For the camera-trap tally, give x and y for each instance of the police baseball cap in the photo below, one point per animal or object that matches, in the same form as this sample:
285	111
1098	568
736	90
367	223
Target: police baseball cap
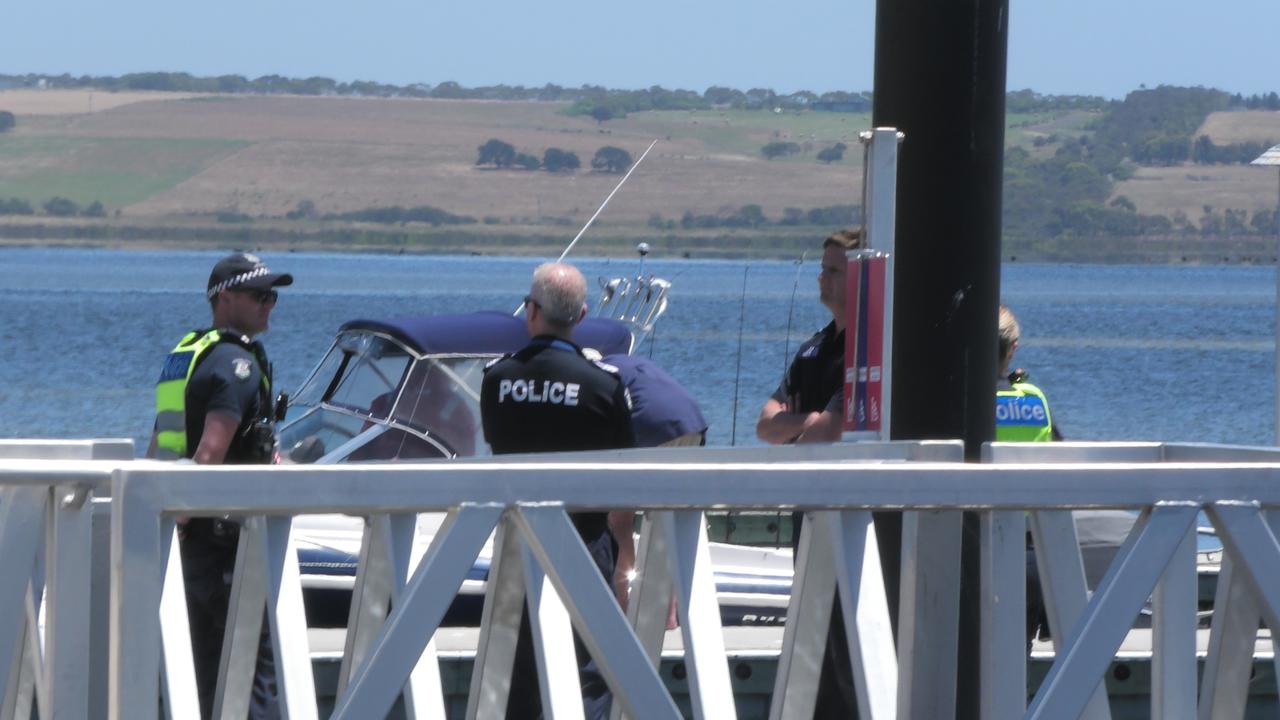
243	270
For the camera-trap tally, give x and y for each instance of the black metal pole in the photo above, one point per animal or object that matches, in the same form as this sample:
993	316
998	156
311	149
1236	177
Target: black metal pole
940	78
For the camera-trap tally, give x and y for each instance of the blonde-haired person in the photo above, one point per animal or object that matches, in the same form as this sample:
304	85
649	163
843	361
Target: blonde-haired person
1022	410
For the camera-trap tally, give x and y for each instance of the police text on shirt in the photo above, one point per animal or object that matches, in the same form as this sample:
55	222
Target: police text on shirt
538	391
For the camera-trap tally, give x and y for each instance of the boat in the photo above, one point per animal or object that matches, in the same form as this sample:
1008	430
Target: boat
408	390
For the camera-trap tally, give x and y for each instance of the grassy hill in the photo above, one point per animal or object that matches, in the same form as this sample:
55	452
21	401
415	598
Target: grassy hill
193	163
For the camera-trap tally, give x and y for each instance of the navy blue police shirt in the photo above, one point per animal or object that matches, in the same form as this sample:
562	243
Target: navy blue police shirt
548	397
227	380
815	379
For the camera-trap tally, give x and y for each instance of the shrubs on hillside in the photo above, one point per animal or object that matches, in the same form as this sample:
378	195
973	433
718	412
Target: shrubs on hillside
396	214
753	216
53	207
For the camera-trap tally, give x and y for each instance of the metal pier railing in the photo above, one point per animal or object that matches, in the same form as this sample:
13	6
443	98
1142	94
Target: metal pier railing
538	556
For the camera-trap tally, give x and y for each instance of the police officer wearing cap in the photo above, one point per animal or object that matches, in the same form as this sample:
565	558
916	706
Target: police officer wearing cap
214	406
551	397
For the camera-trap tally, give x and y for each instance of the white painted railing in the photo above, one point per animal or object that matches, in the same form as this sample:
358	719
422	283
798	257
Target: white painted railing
538	556
54	571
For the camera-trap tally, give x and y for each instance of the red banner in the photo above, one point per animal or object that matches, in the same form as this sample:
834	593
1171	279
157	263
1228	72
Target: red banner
864	341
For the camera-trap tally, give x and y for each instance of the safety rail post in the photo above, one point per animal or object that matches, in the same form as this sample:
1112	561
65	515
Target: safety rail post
66	668
45	535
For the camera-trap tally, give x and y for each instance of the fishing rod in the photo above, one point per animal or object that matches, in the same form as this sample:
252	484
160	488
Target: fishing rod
791	309
606	200
737	373
599	210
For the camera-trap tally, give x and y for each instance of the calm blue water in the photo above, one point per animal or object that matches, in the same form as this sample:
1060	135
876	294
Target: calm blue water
1124	352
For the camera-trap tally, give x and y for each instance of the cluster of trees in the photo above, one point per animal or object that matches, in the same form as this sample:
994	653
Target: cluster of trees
7	121
396	215
502	154
1067	194
781	148
1028	101
1269	101
1154	127
53	207
16	206
753	216
1205	152
1230	222
835	153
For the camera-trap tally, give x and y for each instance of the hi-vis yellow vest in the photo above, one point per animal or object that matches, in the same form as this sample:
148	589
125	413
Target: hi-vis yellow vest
171	392
1022	415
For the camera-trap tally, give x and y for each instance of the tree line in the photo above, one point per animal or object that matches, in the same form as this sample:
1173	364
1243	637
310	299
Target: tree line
753	216
501	154
53	207
597	101
783	148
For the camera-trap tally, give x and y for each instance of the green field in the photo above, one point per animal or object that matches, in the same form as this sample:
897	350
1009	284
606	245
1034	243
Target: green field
113	171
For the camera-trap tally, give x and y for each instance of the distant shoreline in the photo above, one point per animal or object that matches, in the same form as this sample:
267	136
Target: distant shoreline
762	246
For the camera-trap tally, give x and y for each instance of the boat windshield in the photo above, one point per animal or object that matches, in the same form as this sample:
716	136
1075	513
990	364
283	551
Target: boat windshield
372	399
361	374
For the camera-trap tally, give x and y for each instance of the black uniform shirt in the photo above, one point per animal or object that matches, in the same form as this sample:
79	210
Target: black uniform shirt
227	380
547	398
815	380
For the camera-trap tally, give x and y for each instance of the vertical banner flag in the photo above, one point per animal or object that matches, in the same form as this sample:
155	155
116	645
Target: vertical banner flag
864	340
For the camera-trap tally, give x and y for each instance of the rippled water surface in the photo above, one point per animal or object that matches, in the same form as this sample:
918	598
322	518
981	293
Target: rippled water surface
1124	352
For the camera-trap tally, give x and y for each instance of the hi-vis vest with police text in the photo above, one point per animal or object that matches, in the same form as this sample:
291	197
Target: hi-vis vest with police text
1022	415
171	392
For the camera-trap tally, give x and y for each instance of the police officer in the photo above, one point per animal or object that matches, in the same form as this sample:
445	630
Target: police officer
808	406
214	406
1022	410
550	396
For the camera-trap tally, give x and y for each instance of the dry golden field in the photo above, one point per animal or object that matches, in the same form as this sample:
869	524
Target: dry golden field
263	155
1225	128
1188	188
172	159
26	102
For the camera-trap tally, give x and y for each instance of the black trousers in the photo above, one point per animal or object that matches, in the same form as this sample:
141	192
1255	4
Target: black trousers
524	701
208	562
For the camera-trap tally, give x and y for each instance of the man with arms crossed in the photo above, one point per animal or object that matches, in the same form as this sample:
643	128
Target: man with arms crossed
808	406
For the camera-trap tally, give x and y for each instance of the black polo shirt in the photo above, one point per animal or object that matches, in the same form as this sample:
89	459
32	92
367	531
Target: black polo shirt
815	380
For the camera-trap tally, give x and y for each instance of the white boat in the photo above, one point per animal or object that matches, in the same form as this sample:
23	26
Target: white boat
408	389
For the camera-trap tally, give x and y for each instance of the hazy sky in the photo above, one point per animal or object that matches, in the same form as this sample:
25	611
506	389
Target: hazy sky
1101	47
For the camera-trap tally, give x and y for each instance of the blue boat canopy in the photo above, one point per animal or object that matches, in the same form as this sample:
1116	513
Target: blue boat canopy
662	409
488	333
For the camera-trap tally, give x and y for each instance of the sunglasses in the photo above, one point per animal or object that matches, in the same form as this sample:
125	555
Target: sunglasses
528	300
263	297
